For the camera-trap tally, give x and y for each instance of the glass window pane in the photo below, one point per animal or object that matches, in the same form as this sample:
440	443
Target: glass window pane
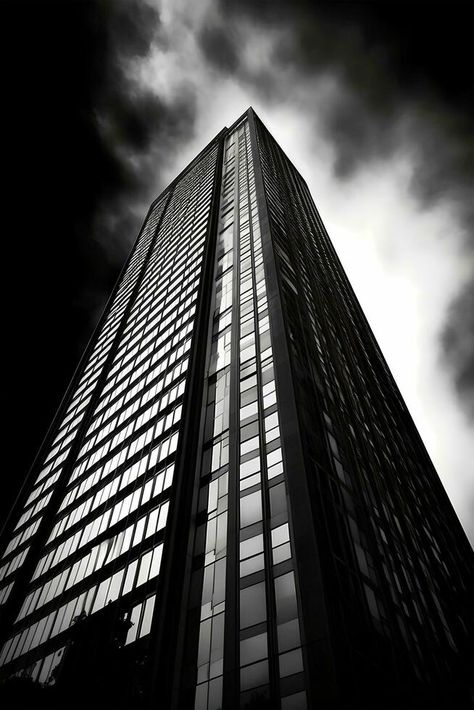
250	509
250	481
252	605
143	575
133	630
156	561
115	583
253	649
249	431
147	616
130	577
251	546
285	597
288	635
281	553
278	499
291	662
253	564
253	676
297	701
249	467
249	445
280	535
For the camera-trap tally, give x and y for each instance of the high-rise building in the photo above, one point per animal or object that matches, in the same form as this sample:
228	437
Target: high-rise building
233	507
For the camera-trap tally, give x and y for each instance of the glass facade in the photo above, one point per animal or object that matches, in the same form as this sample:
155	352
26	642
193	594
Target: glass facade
115	448
233	506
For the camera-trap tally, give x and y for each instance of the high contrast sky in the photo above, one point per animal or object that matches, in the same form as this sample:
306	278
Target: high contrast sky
104	102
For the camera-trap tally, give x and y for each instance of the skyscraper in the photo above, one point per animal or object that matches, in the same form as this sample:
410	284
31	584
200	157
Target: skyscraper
233	507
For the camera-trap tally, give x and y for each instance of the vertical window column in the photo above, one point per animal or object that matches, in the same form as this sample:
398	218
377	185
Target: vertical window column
215	460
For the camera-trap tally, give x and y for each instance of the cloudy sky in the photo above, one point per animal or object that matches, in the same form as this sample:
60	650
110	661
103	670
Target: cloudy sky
107	101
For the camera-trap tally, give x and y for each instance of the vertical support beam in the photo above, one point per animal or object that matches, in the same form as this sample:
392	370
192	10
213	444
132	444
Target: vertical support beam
230	696
173	583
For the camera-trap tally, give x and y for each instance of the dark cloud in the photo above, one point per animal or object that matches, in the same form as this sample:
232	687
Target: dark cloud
443	141
419	48
83	151
458	342
146	132
353	129
130	28
405	78
218	43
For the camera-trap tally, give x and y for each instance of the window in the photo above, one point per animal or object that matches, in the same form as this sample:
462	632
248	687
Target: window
285	597
250	509
253	649
253	607
291	662
254	675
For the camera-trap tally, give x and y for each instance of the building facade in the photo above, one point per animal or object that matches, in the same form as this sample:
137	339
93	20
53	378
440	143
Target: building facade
233	507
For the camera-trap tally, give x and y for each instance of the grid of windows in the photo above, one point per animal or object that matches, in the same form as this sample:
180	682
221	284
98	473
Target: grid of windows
68	428
106	540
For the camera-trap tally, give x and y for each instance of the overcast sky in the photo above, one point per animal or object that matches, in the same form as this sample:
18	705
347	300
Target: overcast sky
371	101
